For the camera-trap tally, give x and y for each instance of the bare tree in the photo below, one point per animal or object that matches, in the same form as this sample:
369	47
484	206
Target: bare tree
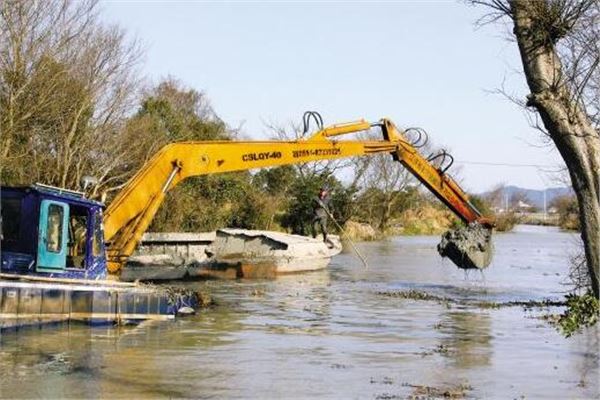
559	45
383	182
67	83
518	199
496	197
314	168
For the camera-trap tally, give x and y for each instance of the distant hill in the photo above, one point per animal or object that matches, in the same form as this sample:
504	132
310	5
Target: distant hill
534	197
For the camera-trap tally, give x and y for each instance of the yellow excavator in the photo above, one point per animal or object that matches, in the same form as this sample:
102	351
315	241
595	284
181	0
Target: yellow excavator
54	232
131	212
61	246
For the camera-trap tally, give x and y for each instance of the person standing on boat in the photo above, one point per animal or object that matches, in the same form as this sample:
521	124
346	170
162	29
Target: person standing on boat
321	212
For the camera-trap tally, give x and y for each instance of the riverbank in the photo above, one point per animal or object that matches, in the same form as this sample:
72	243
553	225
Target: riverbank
435	221
426	220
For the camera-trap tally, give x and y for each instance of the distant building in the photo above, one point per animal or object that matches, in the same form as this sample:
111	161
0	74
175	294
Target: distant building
523	207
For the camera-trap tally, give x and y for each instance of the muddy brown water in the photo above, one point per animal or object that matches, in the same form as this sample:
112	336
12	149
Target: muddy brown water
329	334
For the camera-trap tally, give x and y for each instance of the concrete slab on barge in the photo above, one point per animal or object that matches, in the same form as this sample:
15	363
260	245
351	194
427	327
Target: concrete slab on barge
232	253
286	253
188	246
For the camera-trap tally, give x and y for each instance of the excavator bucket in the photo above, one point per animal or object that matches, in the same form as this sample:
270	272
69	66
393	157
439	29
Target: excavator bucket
469	247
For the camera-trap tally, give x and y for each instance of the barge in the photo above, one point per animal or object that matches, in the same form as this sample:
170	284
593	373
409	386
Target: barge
227	254
54	267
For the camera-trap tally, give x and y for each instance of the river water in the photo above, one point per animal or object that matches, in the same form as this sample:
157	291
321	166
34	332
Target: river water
332	334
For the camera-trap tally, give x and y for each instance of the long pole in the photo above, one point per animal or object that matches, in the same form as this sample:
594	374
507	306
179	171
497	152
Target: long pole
544	204
364	261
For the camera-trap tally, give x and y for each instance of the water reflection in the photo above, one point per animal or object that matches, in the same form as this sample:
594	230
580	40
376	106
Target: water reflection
587	363
467	338
328	334
385	248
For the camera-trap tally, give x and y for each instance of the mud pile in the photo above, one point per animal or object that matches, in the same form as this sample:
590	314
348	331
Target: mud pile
468	247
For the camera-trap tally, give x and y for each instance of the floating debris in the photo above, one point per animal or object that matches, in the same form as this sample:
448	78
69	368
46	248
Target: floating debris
459	391
183	298
413	294
186	311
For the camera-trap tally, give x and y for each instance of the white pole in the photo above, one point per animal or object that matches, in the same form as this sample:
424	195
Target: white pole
544	204
343	232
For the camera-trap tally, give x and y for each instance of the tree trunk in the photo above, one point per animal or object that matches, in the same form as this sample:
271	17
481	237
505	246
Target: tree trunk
569	127
386	212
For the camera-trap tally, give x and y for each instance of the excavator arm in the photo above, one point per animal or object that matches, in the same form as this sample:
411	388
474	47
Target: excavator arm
442	185
132	211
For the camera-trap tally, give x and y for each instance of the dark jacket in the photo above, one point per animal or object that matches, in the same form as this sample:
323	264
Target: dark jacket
321	206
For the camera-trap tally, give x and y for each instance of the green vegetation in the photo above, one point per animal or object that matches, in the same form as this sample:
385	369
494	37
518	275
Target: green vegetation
297	215
61	124
482	204
504	221
568	212
582	311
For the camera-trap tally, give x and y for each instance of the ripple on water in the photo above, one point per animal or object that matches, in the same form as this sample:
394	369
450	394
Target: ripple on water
329	334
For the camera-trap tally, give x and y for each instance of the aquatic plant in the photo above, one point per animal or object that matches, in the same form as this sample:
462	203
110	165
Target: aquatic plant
582	311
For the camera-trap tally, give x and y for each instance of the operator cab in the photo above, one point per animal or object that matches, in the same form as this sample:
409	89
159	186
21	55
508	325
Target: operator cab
49	231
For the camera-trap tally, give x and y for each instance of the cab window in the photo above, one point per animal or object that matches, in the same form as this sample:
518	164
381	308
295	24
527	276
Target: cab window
78	234
98	239
54	228
10	219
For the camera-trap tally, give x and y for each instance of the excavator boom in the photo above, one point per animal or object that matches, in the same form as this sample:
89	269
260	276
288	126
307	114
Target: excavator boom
132	211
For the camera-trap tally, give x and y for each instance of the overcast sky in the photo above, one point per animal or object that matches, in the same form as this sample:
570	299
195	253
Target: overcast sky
419	63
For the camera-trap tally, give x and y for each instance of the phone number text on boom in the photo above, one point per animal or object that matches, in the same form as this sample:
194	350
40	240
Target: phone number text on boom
316	153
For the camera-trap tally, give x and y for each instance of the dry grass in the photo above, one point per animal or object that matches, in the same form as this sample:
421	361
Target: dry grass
360	232
425	220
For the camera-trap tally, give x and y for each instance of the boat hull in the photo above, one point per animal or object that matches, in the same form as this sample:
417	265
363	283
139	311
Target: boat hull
33	303
232	254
